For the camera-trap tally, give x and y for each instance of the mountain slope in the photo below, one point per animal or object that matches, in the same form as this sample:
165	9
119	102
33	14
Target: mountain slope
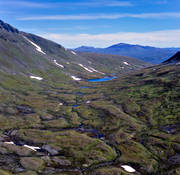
29	54
26	53
145	53
174	59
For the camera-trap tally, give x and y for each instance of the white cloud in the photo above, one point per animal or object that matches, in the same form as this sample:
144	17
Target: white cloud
103	16
168	38
17	4
92	3
100	3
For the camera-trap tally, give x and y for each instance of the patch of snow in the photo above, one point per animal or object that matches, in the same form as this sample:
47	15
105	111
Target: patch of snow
85	165
67	63
126	63
75	78
27	146
10	143
58	64
73	52
32	147
37	47
60	104
89	70
88	102
96	71
37	78
128	168
122	67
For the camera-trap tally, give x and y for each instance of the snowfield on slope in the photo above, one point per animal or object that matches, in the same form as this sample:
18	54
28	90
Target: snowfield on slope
128	168
90	69
58	64
96	71
75	78
85	68
9	143
126	63
37	47
34	148
37	78
73	52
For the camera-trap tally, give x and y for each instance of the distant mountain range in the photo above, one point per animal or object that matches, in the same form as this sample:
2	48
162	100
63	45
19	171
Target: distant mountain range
145	53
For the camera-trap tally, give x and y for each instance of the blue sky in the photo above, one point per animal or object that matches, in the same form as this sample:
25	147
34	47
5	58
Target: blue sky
98	23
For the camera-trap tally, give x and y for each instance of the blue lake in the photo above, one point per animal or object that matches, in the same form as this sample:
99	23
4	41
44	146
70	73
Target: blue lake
75	106
102	79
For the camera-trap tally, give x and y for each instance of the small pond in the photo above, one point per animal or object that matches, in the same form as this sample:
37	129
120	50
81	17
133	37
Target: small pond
102	79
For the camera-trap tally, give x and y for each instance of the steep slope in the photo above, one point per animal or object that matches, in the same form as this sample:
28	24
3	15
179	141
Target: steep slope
174	59
145	53
27	53
31	55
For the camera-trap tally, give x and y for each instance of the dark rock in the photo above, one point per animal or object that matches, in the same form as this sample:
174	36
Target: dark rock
19	143
50	150
24	109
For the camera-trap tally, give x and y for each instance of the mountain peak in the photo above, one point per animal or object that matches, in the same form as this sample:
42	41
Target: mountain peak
7	27
86	47
119	45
